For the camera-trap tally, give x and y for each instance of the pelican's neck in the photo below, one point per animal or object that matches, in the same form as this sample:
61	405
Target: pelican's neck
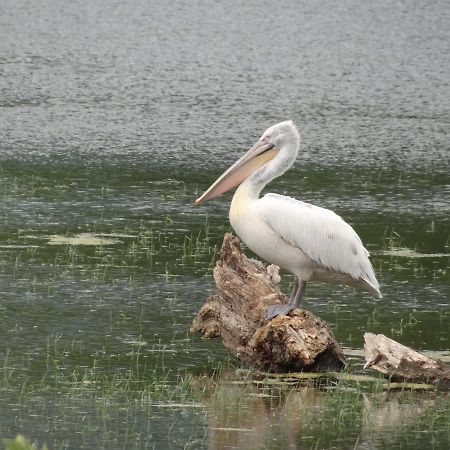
256	182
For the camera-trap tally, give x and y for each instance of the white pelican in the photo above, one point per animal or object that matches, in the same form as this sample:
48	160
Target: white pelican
312	243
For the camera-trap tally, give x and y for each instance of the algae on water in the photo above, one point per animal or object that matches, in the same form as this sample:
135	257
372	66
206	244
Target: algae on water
81	239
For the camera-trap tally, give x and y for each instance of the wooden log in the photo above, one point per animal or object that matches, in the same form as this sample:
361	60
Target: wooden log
237	313
402	363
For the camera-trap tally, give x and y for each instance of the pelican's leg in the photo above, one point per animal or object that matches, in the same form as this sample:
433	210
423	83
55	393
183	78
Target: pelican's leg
294	301
297	299
294	290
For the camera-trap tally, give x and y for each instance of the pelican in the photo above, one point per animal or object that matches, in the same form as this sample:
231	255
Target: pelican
313	243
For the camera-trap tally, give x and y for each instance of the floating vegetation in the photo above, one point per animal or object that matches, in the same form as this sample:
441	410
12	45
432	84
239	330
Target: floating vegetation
408	253
81	239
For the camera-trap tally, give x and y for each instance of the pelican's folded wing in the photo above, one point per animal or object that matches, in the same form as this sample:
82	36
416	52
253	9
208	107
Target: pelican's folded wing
321	234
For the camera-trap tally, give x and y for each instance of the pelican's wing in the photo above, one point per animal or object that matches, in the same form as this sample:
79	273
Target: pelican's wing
319	233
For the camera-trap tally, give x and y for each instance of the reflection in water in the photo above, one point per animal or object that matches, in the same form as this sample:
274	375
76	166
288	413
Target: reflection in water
251	417
266	414
386	411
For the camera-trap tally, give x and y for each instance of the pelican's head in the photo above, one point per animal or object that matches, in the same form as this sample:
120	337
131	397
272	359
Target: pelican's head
282	135
279	138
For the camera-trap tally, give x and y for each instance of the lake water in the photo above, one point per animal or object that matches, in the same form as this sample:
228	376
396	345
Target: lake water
115	115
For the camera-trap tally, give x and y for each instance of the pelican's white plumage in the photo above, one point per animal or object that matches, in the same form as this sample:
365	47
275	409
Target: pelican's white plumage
311	242
323	236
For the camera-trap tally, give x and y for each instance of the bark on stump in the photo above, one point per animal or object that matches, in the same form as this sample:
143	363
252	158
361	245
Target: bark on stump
403	363
237	313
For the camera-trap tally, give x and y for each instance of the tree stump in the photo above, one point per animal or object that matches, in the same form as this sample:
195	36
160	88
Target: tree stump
403	363
237	313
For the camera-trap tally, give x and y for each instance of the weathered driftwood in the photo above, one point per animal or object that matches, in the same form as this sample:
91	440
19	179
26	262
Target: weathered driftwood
402	363
237	313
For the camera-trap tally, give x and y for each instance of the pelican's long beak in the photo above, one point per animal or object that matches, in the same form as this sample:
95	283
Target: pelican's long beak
258	155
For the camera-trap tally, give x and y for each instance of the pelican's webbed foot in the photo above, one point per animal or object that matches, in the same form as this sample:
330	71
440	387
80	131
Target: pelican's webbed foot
278	310
294	301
